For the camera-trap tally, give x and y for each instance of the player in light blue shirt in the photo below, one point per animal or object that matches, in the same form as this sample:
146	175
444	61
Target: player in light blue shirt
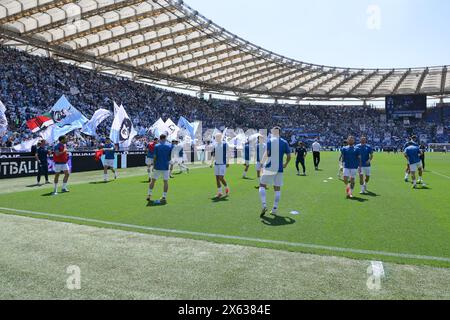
220	160
412	142
412	155
109	150
162	158
274	165
366	154
352	161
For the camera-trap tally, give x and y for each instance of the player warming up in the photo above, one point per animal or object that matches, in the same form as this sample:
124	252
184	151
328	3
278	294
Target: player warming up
220	160
61	159
301	153
246	159
412	155
366	154
109	151
273	169
162	156
411	142
149	159
177	157
351	159
260	150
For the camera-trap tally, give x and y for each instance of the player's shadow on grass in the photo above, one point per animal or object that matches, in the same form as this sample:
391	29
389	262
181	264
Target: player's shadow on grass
358	199
50	194
34	185
277	221
371	194
100	182
156	204
217	200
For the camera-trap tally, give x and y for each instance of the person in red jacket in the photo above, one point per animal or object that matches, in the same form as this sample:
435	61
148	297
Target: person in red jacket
61	159
150	157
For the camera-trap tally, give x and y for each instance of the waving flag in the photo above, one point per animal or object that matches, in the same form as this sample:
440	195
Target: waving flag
66	117
90	127
122	130
26	145
3	120
172	129
116	108
159	128
40	122
186	125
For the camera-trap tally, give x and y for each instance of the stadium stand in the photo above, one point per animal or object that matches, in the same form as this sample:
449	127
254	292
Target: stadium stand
31	84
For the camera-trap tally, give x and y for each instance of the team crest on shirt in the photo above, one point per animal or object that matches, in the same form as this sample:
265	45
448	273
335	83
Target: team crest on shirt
125	130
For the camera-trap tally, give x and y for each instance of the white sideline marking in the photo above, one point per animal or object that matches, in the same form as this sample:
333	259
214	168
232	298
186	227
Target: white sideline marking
440	174
220	236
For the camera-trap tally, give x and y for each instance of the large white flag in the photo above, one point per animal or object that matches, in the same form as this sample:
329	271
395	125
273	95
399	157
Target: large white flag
173	130
90	128
116	108
26	145
3	120
159	128
122	130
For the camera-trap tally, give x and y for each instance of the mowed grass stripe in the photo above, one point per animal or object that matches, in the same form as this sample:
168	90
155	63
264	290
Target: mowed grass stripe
221	236
394	219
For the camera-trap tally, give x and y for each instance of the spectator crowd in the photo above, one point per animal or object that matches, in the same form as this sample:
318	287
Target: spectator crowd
30	85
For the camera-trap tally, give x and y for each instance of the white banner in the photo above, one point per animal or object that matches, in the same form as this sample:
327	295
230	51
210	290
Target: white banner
3	120
90	128
122	129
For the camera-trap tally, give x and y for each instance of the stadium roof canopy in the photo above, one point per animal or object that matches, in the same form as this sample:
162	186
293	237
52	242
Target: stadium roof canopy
166	42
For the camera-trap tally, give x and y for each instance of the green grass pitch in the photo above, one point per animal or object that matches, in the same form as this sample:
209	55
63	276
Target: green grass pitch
394	223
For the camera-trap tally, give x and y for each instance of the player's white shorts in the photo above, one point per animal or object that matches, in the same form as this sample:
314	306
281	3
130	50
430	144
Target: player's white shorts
220	170
61	167
148	161
365	171
272	178
351	173
414	167
158	173
258	166
108	163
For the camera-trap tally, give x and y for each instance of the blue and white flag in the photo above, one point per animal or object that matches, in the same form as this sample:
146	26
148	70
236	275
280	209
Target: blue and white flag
67	118
90	127
186	125
3	120
122	130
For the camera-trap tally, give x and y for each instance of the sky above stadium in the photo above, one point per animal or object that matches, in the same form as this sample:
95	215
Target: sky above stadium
345	33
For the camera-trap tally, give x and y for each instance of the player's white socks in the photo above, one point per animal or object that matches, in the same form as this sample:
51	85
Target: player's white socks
245	174
56	188
64	187
262	195
406	176
150	191
164	195
219	190
105	176
277	199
